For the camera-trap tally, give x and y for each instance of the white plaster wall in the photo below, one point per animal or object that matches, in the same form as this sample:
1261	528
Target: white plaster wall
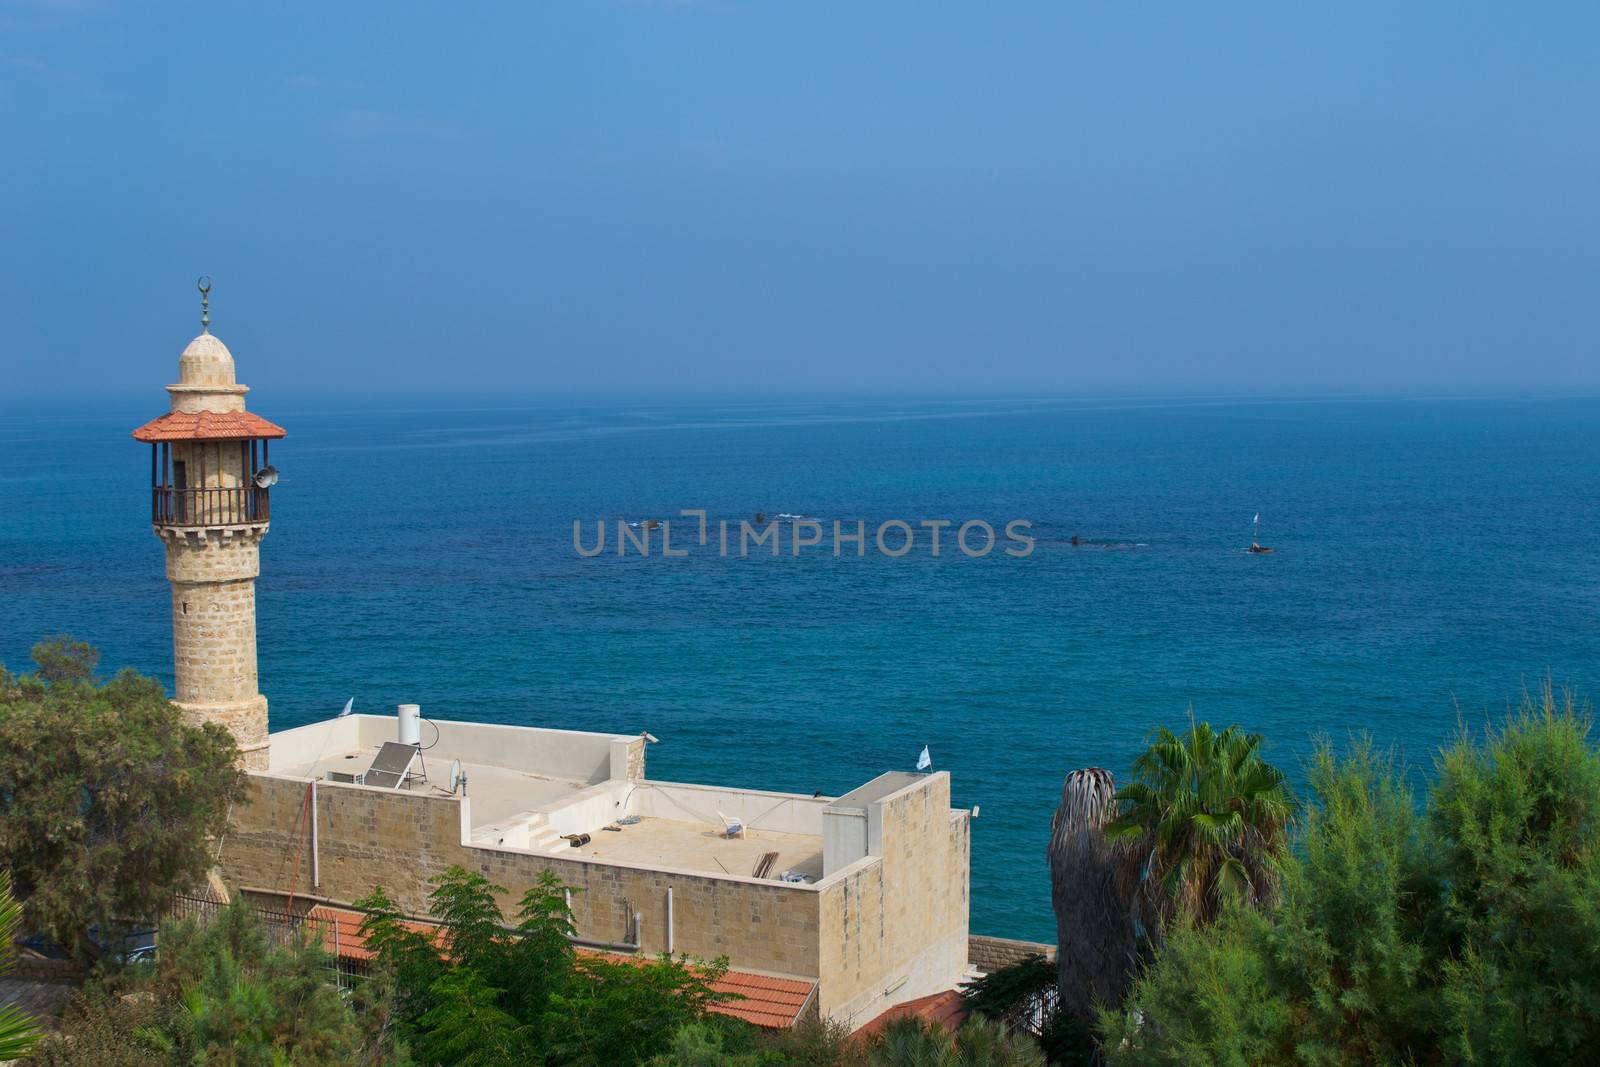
307	744
788	813
844	839
573	754
585	811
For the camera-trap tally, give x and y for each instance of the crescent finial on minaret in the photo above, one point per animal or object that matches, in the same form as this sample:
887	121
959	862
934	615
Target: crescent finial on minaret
204	285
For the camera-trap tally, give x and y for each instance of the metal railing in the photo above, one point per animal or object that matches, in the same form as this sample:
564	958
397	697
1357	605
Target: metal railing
281	928
211	506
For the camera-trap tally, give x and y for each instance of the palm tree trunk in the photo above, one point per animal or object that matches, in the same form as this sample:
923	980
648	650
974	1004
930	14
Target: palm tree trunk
1090	888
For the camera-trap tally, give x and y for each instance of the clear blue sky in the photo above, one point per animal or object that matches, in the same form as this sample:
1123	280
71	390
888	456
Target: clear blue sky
858	196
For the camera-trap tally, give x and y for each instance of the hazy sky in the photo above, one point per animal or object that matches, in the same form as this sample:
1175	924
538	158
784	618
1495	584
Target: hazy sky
882	196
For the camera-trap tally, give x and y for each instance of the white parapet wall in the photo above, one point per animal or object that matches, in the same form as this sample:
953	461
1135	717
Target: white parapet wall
304	745
574	755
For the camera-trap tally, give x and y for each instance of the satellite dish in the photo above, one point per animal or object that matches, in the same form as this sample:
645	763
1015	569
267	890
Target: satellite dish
267	476
458	777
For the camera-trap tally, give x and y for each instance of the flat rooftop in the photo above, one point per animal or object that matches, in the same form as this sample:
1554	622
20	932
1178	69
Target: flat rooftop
496	792
864	796
535	790
653	842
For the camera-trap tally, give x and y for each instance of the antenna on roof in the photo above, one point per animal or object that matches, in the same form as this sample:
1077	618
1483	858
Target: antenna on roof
204	285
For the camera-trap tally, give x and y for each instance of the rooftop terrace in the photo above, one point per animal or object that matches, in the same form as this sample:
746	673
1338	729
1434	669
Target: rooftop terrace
537	789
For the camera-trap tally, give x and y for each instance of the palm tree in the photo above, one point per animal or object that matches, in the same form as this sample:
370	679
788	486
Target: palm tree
1207	818
1091	888
17	1030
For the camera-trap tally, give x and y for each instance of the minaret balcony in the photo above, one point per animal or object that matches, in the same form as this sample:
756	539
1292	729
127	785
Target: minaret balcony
244	505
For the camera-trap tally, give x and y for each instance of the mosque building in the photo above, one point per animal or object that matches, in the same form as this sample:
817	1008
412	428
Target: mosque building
841	907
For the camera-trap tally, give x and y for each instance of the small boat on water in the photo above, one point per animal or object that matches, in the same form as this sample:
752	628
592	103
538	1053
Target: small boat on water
1256	547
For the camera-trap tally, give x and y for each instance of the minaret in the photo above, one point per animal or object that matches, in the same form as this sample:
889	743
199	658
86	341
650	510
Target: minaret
209	481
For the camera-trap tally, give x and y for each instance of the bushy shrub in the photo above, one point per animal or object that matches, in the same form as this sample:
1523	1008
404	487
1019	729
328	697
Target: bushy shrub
1469	932
483	992
219	994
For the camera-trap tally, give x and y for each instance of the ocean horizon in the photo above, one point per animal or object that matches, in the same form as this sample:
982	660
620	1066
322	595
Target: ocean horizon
1433	557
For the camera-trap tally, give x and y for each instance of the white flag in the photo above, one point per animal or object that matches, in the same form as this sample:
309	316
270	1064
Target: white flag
924	761
348	704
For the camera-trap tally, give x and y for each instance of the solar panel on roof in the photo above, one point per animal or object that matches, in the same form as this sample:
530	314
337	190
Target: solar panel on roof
391	765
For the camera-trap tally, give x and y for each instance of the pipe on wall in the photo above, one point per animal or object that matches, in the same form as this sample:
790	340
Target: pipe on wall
669	920
316	857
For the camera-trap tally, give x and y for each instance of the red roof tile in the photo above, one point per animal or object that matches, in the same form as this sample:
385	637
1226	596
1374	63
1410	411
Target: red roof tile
206	426
341	931
947	1010
766	1001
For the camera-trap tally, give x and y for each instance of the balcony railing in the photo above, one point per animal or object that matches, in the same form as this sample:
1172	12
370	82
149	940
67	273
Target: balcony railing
235	506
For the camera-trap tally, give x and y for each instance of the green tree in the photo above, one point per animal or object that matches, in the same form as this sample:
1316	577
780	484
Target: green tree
1208	998
701	1044
909	1042
1347	941
220	994
17	1030
63	658
250	1003
520	993
814	1042
467	1027
1516	824
1207	818
109	801
627	1012
1464	934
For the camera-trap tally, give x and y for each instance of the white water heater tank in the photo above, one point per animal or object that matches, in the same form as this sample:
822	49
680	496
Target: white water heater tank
411	724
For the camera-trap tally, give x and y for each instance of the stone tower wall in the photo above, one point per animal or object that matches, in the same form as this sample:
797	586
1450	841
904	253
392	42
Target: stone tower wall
213	573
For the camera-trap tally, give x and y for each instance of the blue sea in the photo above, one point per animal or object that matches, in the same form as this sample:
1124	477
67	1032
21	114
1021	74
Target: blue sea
1432	558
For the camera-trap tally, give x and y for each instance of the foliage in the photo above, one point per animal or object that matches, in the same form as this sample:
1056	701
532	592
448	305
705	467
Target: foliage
108	1024
220	995
1022	996
909	1042
467	1026
1207	817
702	1045
131	801
17	1030
481	992
1517	821
814	1043
1092	883
63	658
1467	933
622	1012
1069	1042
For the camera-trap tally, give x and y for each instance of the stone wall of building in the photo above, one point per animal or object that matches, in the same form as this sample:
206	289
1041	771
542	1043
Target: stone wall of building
367	837
990	954
213	574
894	927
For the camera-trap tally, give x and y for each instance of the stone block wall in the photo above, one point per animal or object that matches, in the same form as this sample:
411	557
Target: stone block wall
894	927
213	574
990	954
887	929
368	837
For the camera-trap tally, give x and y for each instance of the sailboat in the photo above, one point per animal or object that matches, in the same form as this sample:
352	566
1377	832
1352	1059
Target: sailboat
1256	547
